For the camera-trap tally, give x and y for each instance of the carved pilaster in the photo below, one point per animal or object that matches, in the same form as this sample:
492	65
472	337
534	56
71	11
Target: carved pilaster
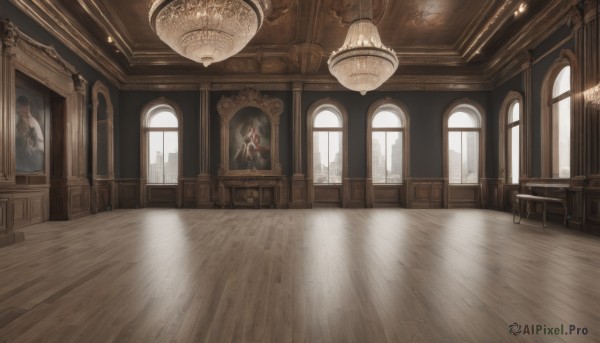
204	128
527	121
203	180
298	189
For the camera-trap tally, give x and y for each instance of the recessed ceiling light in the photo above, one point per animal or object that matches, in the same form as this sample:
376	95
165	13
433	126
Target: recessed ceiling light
521	9
110	39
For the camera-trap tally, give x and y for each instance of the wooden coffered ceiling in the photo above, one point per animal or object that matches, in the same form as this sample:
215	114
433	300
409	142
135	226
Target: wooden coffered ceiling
441	44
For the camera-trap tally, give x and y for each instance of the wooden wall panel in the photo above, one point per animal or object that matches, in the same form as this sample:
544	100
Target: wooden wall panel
21	212
463	196
390	195
357	193
3	215
328	194
30	208
161	196
102	198
189	194
128	194
593	211
79	197
494	195
425	193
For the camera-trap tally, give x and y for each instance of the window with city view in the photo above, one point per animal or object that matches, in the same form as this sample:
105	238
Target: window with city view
327	146
513	142
386	145
163	145
561	124
464	124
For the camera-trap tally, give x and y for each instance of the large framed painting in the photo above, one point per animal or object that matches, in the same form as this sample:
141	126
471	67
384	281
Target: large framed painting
31	112
250	134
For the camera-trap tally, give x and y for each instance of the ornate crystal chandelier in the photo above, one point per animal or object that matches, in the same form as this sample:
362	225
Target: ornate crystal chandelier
363	63
207	31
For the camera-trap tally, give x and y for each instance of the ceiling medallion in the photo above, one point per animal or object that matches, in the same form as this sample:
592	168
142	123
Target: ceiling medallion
207	31
363	63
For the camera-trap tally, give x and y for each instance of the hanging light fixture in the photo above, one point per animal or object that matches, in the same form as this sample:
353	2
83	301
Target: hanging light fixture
363	63
207	31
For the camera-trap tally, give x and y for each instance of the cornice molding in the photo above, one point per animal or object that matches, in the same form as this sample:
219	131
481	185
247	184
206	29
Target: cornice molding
511	56
54	19
110	21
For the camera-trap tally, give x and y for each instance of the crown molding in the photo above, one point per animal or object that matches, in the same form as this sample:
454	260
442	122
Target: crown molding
510	57
53	18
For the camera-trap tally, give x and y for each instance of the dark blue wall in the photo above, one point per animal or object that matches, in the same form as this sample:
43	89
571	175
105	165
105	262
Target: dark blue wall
425	110
130	109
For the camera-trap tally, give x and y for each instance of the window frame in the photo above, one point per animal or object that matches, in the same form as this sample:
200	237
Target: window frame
567	58
312	112
505	162
465	105
401	110
148	111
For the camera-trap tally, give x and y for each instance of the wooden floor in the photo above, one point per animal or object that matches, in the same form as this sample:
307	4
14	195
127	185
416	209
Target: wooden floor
322	275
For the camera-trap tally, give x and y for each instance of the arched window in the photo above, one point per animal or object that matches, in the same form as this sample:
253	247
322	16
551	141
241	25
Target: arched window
513	142
561	124
161	138
511	137
388	144
328	156
463	128
327	153
556	117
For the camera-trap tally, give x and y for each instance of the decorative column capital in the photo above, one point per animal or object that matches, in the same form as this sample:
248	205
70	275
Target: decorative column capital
297	86
10	36
205	86
79	83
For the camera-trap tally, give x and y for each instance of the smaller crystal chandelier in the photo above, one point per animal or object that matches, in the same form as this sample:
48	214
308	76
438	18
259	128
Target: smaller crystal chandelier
363	63
207	31
592	97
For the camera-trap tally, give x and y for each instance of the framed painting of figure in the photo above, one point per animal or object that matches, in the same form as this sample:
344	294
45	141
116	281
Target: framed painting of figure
31	111
250	140
250	134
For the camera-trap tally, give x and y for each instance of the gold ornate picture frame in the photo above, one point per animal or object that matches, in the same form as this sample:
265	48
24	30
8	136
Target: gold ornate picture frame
250	134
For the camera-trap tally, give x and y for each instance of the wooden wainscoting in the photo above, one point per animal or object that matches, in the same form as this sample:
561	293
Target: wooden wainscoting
464	196
190	187
592	206
389	195
494	194
79	201
328	195
128	193
425	193
102	196
357	193
4	221
30	207
161	195
7	233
